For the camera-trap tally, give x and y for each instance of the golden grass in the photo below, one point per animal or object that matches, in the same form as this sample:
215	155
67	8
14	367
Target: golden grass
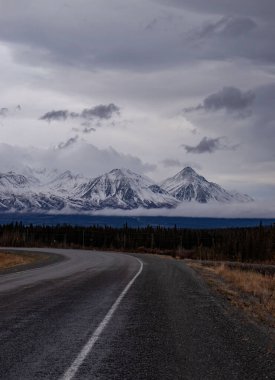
8	260
251	291
260	286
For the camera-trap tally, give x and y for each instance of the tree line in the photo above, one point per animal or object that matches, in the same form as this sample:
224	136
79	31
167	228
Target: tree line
234	244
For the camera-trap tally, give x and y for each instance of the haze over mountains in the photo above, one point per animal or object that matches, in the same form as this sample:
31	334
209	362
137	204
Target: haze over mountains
50	191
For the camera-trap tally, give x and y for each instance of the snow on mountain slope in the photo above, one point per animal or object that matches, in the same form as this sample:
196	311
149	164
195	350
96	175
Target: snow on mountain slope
66	183
31	191
187	185
51	191
14	182
122	188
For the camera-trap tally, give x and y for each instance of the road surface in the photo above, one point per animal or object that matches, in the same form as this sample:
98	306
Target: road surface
99	315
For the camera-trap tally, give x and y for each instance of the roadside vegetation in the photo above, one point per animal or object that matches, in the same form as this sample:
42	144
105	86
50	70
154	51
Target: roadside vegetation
255	244
9	260
252	291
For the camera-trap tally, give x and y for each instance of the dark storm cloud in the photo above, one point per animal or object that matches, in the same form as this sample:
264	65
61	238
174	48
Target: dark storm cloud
255	134
101	111
230	99
208	145
55	116
36	25
69	142
261	129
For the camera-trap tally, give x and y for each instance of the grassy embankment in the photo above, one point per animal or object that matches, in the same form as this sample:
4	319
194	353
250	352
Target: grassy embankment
9	259
248	290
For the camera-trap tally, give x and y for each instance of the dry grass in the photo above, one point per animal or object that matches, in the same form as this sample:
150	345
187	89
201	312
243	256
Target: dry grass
260	286
252	291
8	260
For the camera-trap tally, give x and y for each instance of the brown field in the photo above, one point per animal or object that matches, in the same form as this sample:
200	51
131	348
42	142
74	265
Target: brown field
251	291
8	259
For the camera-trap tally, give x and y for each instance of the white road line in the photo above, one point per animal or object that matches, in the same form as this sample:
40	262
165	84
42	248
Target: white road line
72	370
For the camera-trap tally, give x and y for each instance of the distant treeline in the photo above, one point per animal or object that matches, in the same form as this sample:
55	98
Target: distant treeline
236	244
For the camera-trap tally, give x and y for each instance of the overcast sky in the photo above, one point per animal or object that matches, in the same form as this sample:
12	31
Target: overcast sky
151	85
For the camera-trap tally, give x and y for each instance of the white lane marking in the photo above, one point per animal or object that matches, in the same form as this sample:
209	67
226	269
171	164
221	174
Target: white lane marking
72	370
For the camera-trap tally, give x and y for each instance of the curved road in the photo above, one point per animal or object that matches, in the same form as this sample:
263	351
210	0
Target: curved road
99	315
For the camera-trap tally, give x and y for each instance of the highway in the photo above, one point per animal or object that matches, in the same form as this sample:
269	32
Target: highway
103	315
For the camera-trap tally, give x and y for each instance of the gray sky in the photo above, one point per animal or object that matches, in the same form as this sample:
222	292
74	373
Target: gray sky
149	85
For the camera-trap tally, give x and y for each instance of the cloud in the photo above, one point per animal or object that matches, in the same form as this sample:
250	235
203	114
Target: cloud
101	111
230	99
208	145
55	116
264	9
151	25
238	26
88	126
69	142
226	27
171	163
4	112
79	157
257	209
89	130
36	25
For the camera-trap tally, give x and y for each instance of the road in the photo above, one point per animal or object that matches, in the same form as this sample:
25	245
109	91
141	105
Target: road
99	315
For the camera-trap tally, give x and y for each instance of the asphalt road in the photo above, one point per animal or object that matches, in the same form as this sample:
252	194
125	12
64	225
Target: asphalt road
100	315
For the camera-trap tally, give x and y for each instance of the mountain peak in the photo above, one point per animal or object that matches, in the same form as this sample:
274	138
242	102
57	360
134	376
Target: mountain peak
188	171
188	185
188	175
124	189
121	172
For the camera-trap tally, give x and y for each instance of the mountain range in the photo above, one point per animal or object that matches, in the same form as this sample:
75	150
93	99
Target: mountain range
51	191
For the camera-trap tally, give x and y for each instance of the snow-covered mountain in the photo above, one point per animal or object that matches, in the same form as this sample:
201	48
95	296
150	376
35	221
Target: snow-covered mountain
20	192
43	190
11	181
52	191
122	188
187	185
